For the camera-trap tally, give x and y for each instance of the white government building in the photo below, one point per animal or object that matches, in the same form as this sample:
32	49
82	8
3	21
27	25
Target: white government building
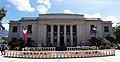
59	29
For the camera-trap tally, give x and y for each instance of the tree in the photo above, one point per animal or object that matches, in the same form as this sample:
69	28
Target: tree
5	39
111	38
3	12
117	33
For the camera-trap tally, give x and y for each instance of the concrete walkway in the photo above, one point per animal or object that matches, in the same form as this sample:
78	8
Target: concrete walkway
115	58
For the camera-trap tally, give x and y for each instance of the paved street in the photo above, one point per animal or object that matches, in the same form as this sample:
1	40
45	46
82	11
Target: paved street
115	58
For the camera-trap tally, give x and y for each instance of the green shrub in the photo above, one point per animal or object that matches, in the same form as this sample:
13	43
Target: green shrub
111	38
88	48
105	42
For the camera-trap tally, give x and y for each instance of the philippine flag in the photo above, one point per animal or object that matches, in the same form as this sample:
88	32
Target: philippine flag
24	34
93	31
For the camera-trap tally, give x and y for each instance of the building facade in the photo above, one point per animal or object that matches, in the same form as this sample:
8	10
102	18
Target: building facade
59	29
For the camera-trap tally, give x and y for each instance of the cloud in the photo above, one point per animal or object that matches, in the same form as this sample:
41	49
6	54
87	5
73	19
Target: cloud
42	9
44	6
6	26
102	2
22	5
7	6
96	15
114	19
59	0
45	2
68	11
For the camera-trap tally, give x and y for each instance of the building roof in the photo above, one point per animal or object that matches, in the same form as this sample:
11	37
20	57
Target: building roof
60	16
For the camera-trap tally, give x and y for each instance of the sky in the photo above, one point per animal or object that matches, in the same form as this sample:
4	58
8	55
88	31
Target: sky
107	10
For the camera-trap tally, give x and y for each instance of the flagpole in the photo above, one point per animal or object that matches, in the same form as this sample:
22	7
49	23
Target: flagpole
23	37
95	40
24	42
95	36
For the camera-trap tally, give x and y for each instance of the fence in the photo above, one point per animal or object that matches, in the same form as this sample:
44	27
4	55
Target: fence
38	49
59	54
80	48
54	48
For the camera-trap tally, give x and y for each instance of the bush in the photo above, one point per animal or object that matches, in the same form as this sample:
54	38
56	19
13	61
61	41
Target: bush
105	42
88	48
114	45
111	38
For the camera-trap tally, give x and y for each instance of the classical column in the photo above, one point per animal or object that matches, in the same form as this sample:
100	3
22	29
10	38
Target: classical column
65	35
58	35
52	35
71	34
78	34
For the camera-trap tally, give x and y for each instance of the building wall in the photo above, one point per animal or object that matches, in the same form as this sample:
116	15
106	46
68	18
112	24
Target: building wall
34	33
39	27
11	34
98	29
41	35
109	24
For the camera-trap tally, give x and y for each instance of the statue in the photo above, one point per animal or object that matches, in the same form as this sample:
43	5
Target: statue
2	15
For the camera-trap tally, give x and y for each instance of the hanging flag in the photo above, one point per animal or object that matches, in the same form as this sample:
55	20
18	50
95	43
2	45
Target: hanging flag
24	34
93	31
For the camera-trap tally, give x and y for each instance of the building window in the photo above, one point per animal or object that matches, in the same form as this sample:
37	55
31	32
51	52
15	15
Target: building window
74	30
48	28
68	40
55	30
92	26
15	29
74	40
30	28
106	29
67	29
61	30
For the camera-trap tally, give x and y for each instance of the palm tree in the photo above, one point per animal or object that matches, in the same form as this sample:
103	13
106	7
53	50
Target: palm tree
3	12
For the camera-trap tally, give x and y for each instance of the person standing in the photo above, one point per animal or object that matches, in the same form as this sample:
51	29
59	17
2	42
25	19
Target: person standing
2	49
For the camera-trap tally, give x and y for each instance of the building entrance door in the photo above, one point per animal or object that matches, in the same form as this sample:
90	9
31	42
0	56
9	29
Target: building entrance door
61	35
62	41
